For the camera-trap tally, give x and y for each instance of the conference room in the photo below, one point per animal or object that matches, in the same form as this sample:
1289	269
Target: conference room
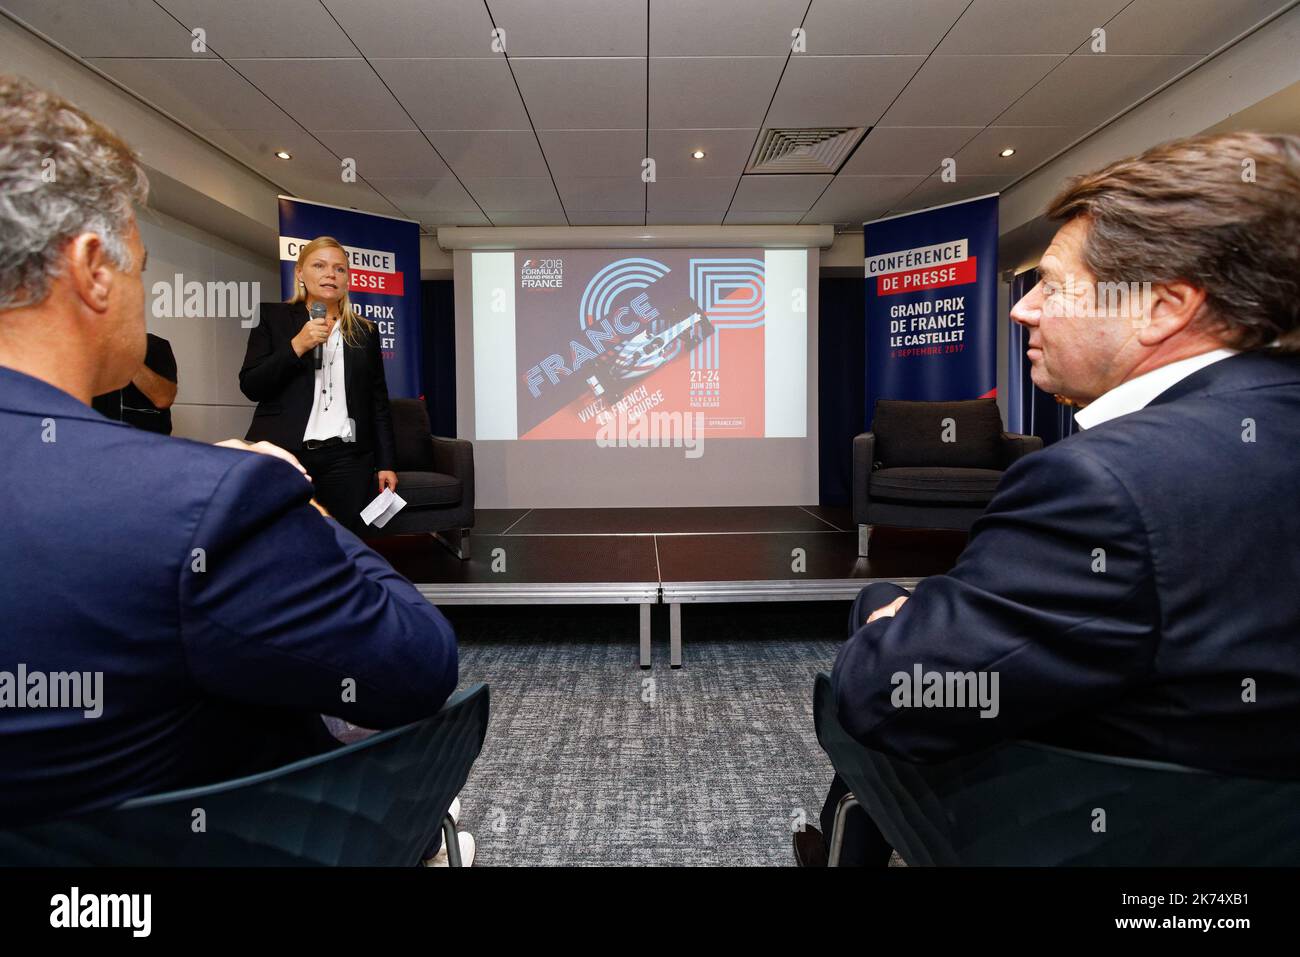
651	433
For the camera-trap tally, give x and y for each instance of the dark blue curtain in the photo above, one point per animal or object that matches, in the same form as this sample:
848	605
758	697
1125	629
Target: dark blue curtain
1030	410
841	382
438	318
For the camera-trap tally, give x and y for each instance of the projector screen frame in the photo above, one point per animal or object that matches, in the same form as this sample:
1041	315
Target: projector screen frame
453	238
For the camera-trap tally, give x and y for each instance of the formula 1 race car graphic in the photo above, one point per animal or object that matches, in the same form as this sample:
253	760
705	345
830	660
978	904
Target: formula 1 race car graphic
685	326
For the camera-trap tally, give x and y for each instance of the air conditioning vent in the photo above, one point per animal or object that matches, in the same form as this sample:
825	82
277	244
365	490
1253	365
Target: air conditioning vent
818	150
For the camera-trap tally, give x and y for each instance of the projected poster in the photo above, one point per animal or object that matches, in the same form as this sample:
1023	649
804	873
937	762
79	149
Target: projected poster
601	336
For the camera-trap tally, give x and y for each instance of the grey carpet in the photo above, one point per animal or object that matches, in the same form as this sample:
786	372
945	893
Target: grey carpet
586	763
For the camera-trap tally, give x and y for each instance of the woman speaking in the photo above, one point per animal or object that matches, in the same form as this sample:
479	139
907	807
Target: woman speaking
314	369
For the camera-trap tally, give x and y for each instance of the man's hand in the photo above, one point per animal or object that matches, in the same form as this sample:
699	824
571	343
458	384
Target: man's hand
887	611
387	480
313	333
266	448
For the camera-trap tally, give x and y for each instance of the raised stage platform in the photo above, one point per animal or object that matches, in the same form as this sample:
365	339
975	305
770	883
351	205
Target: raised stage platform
671	556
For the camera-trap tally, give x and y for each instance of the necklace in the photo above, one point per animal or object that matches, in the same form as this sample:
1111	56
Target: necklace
327	373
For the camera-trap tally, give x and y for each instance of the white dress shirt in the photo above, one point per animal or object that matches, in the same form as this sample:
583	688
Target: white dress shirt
1134	394
329	407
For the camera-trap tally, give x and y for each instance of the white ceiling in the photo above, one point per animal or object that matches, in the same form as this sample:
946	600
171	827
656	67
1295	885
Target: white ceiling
447	130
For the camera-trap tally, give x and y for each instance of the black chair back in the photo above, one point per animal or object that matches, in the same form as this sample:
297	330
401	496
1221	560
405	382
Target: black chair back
1031	804
378	802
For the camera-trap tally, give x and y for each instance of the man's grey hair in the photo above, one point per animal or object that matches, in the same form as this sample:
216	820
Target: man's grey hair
61	174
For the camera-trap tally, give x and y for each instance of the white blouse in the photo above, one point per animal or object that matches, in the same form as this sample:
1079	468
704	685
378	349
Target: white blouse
329	407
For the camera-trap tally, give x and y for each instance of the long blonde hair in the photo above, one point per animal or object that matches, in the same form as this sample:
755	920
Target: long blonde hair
351	325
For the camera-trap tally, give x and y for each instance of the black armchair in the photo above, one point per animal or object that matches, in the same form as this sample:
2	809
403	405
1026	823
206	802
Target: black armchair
435	476
930	464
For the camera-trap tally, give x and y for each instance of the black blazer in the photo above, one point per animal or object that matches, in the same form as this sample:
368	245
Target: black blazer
1125	584
282	383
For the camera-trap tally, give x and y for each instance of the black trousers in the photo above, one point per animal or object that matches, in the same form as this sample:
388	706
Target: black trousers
863	846
345	481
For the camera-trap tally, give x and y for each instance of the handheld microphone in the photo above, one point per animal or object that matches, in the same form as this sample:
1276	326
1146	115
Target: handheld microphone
318	312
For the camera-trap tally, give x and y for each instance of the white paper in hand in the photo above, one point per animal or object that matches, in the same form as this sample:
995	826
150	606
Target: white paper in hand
377	507
386	504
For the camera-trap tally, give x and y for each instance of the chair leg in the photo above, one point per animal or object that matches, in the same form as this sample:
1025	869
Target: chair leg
864	539
451	842
847	803
455	541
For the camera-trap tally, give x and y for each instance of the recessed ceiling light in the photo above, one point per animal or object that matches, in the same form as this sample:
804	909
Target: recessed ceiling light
283	155
698	154
1007	152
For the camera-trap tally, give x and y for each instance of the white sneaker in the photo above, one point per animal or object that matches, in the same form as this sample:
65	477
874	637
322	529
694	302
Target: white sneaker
465	840
454	810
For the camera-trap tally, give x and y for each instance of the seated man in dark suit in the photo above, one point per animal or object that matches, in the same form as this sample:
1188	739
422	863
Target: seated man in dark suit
173	613
1132	588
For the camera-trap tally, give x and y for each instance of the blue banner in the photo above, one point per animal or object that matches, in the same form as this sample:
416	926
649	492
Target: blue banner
932	301
384	282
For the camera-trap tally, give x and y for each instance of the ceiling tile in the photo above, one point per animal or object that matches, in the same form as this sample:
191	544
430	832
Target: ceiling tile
935	192
348	195
328	94
257	148
1034	145
415	28
703	193
387	153
470	94
583	93
881	26
771	217
514	193
906	150
787	192
855	199
1184	26
1090	88
514	217
203	94
688	93
839	90
1027	26
484	153
594	217
966	90
599	28
725	152
602	192
593	152
128	28
432	219
416	194
684	217
724	27
255	28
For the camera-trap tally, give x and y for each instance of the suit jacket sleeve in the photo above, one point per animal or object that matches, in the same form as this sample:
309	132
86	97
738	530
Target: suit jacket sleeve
268	364
292	611
1055	593
385	444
